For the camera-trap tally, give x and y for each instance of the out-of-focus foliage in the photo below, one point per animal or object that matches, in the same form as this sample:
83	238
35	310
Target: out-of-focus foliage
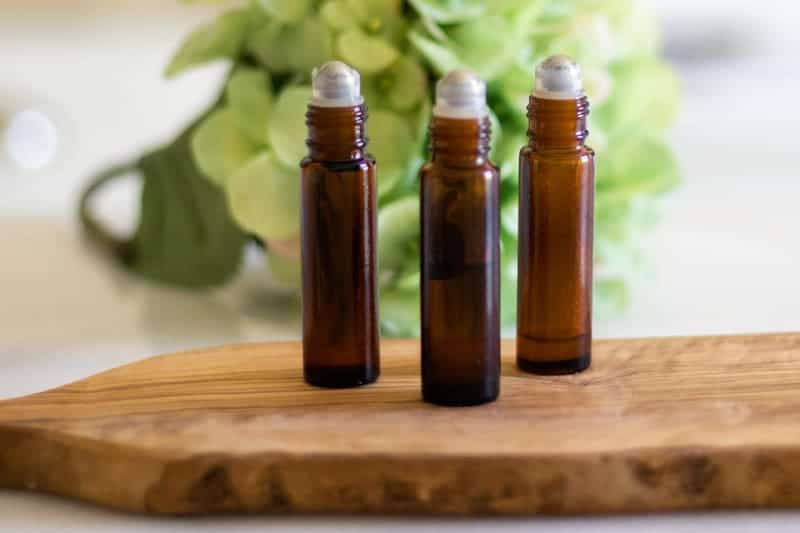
251	143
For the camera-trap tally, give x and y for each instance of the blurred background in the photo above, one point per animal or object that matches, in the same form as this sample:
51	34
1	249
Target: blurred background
81	87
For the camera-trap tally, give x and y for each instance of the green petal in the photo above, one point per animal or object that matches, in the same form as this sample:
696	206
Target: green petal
265	45
220	39
286	10
219	147
372	13
249	94
287	125
311	46
295	48
399	87
408	83
486	45
391	143
645	92
375	90
336	14
398	236
634	29
587	39
264	198
636	166
364	52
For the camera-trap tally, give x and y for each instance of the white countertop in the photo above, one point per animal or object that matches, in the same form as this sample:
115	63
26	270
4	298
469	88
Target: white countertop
724	260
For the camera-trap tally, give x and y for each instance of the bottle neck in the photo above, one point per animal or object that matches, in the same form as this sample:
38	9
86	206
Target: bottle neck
336	133
460	143
557	124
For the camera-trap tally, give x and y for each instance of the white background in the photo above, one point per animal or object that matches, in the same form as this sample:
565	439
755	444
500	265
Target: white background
724	259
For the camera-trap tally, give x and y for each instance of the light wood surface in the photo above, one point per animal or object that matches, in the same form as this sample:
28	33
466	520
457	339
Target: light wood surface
655	424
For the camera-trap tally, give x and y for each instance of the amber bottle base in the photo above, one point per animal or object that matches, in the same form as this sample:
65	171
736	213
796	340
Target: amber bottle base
553	368
460	395
340	377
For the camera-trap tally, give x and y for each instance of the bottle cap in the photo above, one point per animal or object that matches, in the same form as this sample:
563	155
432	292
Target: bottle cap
335	84
460	94
558	78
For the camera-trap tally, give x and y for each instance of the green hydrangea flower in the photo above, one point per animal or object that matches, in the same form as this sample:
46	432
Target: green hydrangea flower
251	143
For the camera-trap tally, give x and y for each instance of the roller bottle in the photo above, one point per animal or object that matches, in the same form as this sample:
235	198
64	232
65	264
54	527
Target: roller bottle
459	208
338	210
556	218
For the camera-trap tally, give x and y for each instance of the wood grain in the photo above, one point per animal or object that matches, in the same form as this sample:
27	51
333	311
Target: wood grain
655	424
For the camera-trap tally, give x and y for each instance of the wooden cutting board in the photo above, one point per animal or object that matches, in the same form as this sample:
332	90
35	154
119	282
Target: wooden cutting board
655	424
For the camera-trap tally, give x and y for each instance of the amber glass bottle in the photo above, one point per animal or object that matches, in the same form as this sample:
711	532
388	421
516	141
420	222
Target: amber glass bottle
556	214
459	198
338	205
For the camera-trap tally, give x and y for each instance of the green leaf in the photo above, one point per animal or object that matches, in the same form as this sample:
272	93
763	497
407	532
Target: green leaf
364	52
264	198
440	57
514	87
434	30
185	235
391	143
220	147
449	11
287	126
286	10
496	132
249	93
483	45
221	39
509	218
420	123
508	155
